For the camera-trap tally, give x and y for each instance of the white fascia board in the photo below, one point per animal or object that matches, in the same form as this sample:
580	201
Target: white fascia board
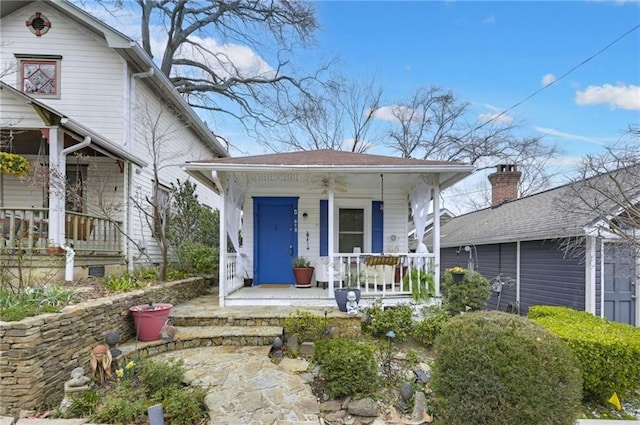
389	169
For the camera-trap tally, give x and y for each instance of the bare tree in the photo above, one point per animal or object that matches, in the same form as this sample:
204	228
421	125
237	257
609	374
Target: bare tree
213	50
340	118
432	125
607	189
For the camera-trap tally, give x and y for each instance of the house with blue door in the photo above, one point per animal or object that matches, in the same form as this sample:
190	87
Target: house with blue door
544	249
347	213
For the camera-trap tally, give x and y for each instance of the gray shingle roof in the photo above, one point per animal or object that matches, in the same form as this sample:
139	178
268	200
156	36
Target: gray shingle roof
546	215
326	157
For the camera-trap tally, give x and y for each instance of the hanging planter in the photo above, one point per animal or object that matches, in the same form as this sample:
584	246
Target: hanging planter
14	164
148	320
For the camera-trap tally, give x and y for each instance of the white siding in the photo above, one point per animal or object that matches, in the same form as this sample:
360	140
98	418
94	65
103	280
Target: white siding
91	74
177	144
395	217
15	113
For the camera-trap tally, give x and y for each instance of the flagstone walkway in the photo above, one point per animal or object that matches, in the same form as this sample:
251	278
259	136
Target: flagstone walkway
246	387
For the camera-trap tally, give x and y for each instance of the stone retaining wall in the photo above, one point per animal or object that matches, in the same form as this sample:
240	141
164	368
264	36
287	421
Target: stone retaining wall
37	354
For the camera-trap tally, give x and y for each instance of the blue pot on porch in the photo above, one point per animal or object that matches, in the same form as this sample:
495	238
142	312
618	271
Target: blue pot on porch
341	297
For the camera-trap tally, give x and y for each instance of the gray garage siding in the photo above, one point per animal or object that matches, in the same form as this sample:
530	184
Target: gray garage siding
548	277
490	261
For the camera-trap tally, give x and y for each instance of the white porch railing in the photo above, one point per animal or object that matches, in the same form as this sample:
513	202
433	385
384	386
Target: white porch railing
374	274
233	281
29	228
381	274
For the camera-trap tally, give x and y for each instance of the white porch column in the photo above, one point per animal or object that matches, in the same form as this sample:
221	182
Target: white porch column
330	249
590	276
436	235
57	172
518	253
222	273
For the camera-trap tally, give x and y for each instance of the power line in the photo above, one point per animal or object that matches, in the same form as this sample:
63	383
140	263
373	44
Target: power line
554	81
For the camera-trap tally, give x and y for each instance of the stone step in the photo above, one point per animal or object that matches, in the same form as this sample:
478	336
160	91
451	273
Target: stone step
203	336
245	316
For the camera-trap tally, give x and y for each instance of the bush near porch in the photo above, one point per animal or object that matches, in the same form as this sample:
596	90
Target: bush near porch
608	352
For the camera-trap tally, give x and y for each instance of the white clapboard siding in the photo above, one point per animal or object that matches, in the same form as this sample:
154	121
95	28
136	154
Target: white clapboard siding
92	75
395	216
177	143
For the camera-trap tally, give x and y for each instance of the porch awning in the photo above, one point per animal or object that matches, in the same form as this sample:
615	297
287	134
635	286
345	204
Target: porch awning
51	117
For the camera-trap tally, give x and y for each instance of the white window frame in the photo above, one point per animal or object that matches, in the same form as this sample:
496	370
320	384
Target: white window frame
364	204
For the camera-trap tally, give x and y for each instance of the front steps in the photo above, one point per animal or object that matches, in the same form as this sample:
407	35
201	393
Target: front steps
202	323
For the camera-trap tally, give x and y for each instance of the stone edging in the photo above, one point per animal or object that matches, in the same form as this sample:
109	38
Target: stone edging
37	354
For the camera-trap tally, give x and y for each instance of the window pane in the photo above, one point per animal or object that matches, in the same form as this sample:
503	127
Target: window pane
351	220
347	242
350	229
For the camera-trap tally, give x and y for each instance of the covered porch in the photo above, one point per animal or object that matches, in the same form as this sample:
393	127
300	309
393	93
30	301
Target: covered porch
345	213
72	191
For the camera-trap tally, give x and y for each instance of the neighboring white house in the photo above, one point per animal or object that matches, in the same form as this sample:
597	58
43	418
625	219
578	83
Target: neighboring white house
87	104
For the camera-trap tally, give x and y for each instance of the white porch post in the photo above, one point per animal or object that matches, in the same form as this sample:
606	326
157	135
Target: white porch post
222	273
590	274
436	235
57	167
330	250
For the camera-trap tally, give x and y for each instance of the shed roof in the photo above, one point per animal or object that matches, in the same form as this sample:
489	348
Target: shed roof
551	214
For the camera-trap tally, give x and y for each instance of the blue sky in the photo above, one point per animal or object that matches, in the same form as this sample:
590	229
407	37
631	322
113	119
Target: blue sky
495	54
490	54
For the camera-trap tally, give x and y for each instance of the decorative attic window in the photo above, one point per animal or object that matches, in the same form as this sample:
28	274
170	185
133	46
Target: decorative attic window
38	24
40	75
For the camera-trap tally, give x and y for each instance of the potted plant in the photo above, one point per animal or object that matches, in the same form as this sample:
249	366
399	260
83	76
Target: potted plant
457	273
302	271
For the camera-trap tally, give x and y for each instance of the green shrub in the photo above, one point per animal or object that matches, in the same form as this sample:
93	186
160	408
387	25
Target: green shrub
380	320
183	405
32	300
608	352
123	283
348	367
156	375
85	404
426	330
197	258
121	405
306	326
499	368
471	294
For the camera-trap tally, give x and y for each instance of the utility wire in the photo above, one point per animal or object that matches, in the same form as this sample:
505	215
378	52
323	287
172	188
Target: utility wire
553	82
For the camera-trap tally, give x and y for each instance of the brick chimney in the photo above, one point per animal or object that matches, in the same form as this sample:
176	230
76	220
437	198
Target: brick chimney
504	184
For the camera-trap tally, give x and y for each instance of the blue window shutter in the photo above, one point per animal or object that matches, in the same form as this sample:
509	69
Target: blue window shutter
324	227
377	226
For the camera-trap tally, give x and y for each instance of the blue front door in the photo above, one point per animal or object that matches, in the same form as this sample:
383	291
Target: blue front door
276	242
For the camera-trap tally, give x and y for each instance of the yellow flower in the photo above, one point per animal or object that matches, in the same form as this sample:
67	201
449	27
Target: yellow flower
130	365
119	373
457	269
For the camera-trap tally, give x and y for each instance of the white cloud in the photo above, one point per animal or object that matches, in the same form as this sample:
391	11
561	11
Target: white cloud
227	59
392	112
562	135
497	118
620	96
548	79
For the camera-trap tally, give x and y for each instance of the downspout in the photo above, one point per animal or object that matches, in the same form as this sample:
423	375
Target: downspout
130	148
222	260
62	163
